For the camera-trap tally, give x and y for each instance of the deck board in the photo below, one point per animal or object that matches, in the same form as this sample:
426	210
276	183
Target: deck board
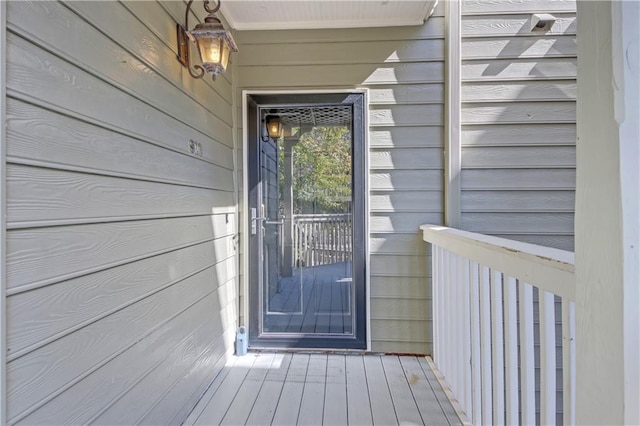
312	405
334	389
335	399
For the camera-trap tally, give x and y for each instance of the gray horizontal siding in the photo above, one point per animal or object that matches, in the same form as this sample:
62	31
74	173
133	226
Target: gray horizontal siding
518	121
403	69
121	271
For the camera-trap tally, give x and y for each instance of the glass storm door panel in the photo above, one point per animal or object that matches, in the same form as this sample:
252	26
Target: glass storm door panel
306	203
307	239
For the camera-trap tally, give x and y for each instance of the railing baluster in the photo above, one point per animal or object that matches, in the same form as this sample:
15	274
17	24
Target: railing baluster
497	352
527	359
547	358
448	325
485	345
568	361
476	381
466	343
511	349
435	304
455	323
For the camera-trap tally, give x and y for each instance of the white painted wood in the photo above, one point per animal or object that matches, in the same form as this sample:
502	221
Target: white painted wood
511	349
607	265
527	362
551	269
547	358
3	215
486	384
453	150
434	29
476	364
253	15
465	278
437	302
480	7
497	347
568	362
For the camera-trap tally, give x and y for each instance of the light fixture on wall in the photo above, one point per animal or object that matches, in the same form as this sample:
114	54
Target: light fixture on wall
273	126
214	43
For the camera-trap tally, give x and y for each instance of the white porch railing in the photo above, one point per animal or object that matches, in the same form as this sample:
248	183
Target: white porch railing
486	330
321	239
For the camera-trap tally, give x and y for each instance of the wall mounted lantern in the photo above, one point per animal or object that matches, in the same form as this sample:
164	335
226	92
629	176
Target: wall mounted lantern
274	127
214	43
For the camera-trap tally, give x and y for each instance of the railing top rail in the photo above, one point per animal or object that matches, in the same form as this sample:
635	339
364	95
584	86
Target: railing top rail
547	268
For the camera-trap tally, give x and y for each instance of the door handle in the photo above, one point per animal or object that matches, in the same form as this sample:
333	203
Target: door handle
274	222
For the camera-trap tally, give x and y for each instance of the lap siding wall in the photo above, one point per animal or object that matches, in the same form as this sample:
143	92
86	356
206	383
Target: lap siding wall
121	268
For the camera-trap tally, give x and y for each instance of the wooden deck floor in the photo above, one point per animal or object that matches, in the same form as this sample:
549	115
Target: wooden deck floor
319	389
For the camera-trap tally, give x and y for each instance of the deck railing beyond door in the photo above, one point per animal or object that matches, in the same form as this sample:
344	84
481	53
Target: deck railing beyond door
484	304
321	239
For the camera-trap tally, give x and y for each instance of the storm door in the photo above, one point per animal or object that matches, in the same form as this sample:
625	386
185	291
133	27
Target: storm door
306	220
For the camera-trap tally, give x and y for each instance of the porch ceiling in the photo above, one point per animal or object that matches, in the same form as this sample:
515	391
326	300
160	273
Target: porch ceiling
301	14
